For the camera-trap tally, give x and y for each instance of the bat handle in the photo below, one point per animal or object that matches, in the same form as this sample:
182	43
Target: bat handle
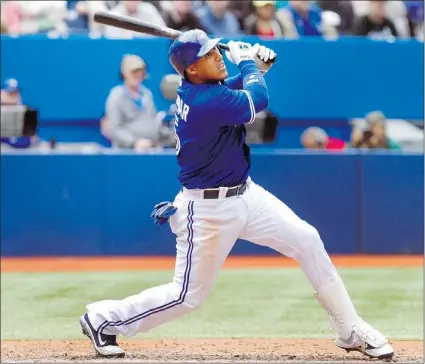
223	46
226	48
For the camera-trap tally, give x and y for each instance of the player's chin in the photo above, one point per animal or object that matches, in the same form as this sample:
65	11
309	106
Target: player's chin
222	74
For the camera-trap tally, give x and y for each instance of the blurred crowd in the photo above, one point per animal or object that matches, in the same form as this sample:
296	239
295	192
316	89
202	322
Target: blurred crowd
290	19
131	119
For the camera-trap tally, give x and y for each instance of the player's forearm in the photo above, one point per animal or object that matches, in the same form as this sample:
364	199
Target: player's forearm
253	82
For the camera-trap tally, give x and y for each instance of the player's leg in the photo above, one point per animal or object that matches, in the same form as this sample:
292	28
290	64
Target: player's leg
206	231
271	223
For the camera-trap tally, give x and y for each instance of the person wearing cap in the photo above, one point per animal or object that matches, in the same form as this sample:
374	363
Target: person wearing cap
11	93
264	22
375	135
131	117
10	96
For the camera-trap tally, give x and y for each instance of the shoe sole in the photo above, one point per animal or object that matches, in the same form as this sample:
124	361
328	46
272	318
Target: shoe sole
383	356
87	333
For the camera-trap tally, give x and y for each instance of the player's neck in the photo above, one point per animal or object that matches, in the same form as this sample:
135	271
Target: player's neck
198	81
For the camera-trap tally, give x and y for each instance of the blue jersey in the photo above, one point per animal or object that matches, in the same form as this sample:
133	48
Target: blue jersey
210	128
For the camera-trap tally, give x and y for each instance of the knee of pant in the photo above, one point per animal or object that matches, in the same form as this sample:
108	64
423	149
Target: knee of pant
194	300
311	238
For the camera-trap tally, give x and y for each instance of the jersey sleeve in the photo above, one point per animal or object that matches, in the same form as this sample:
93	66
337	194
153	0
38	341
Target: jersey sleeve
232	107
234	83
236	107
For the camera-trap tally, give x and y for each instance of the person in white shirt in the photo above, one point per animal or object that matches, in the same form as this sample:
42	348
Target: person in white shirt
137	9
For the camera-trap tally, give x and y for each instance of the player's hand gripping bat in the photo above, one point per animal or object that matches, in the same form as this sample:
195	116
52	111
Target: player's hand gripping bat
139	26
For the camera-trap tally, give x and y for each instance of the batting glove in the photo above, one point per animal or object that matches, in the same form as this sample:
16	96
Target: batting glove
264	57
162	212
263	53
239	51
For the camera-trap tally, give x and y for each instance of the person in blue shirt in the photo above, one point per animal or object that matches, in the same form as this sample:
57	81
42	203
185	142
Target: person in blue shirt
219	203
301	18
216	19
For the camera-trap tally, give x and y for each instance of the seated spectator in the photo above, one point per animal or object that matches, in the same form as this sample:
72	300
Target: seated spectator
131	119
217	19
80	15
242	10
376	24
29	17
3	18
11	93
138	9
10	96
181	16
303	18
415	15
77	19
375	135
345	11
317	138
264	22
395	11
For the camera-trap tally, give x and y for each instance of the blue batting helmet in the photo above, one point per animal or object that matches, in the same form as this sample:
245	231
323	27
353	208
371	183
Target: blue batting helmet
189	47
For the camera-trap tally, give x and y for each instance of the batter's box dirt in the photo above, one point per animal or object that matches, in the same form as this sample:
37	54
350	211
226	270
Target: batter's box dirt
202	350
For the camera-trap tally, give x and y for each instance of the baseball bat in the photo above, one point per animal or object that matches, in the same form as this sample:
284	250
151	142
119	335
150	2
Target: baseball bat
140	26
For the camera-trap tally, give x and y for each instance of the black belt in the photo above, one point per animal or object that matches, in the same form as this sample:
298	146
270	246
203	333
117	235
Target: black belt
232	191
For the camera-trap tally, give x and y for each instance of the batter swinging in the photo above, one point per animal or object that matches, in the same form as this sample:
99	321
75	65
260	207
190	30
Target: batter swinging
219	203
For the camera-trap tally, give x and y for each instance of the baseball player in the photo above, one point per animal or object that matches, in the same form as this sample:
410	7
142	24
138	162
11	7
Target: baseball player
219	203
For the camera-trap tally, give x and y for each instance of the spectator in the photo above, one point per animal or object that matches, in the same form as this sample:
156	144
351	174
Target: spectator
29	17
131	119
395	10
345	11
11	96
264	22
317	138
181	16
376	24
375	135
11	93
3	29
242	10
3	17
80	15
303	18
415	14
138	9
217	20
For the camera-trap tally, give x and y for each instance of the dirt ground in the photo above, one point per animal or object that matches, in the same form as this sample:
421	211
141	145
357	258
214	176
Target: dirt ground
202	350
197	350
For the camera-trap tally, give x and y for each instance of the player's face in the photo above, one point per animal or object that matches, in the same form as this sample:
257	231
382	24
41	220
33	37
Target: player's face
211	67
